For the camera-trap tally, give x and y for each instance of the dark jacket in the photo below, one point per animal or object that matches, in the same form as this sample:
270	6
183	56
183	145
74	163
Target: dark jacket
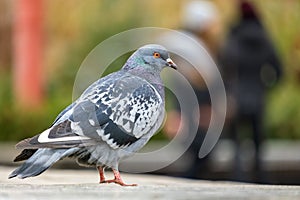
249	64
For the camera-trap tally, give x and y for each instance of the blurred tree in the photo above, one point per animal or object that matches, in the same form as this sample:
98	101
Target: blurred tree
5	34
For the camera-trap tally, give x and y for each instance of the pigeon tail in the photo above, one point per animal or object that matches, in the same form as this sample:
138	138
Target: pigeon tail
40	161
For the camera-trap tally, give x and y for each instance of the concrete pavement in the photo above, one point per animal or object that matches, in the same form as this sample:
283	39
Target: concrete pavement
82	184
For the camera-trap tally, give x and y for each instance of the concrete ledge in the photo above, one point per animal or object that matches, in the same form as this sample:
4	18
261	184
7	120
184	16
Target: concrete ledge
281	161
82	184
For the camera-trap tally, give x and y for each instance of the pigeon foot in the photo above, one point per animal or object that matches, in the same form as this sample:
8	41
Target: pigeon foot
117	179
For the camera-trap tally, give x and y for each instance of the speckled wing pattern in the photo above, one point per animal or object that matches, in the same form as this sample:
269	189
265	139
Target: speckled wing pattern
118	110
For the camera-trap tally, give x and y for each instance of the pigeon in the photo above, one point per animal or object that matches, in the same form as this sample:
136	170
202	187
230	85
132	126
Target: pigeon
112	119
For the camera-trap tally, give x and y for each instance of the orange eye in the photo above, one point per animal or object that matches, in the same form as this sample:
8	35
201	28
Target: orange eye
156	55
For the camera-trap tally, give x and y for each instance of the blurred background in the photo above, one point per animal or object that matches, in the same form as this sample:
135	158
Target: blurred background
43	43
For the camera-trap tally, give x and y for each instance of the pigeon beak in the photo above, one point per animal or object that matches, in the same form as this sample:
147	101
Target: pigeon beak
171	63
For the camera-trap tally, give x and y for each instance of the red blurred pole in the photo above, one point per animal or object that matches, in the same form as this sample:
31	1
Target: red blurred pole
28	53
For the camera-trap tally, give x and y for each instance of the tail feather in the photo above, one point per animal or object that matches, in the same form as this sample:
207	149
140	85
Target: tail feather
25	154
40	161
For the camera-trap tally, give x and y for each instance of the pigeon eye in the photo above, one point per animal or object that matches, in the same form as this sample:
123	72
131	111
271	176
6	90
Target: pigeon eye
156	55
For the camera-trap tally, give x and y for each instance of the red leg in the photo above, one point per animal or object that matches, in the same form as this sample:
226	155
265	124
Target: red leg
118	179
101	174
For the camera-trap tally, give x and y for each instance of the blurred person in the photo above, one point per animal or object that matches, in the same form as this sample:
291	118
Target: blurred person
199	22
249	64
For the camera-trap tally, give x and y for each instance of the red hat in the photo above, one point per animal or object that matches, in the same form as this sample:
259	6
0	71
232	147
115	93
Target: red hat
247	10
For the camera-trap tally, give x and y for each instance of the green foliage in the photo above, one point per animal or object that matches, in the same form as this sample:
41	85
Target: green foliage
283	113
18	124
283	102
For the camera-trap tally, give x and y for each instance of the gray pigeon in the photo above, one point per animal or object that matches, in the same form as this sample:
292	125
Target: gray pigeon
113	118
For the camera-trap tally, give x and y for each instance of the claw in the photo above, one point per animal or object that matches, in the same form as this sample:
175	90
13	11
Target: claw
117	179
120	182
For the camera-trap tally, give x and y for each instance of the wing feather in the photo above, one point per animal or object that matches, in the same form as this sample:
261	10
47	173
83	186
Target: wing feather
117	111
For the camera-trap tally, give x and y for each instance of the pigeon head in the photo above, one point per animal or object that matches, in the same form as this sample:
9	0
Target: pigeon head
152	56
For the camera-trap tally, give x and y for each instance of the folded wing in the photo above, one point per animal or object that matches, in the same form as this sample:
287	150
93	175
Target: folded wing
116	111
